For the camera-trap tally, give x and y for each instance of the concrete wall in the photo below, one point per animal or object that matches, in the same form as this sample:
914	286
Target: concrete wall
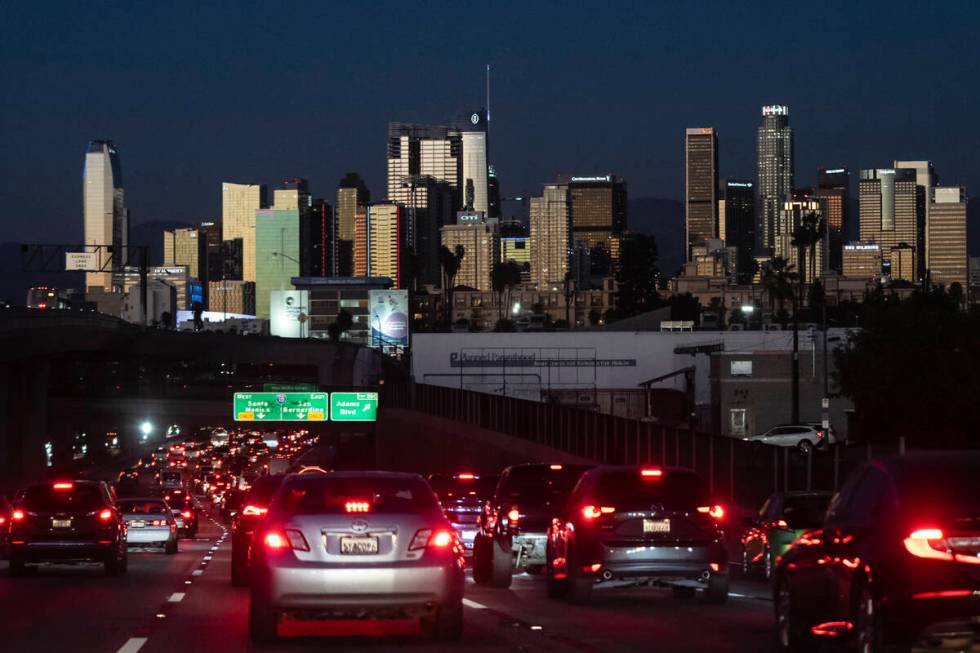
411	441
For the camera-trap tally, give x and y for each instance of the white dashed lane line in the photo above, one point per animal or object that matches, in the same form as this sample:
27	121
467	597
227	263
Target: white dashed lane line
133	645
473	604
197	572
176	597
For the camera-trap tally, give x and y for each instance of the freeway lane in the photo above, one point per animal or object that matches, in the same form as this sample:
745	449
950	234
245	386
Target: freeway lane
213	618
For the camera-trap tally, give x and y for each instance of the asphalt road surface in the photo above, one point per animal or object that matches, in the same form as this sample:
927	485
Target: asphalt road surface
185	603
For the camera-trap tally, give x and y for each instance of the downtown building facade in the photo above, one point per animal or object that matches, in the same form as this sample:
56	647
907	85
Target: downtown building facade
551	236
597	207
475	175
352	195
774	185
277	243
105	216
790	217
700	187
239	204
737	221
833	192
890	201
481	247
946	252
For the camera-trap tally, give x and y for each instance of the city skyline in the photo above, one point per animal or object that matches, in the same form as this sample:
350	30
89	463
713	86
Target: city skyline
854	125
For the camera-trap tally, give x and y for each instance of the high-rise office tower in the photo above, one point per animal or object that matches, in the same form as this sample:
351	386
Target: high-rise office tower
423	239
833	190
417	150
474	184
180	247
493	194
890	215
774	185
551	236
209	256
598	216
861	260
361	253
482	248
946	257
385	241
104	211
232	296
317	240
925	179
352	193
239	203
739	222
790	218
294	195
701	185
277	254
231	259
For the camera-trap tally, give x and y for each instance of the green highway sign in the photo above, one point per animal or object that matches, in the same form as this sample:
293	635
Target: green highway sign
354	406
281	406
288	387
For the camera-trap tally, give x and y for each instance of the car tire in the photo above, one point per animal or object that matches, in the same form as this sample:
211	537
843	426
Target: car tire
481	561
716	592
171	547
866	636
557	587
788	636
683	592
578	590
262	622
805	447
502	571
446	625
748	569
768	564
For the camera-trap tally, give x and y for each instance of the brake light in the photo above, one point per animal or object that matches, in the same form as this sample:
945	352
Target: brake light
357	506
105	515
780	523
441	539
925	543
426	537
63	486
186	514
17	515
945	594
465	477
514	515
555	468
275	541
594	512
714	511
651	473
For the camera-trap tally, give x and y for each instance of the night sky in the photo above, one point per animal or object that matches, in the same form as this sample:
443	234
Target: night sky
194	94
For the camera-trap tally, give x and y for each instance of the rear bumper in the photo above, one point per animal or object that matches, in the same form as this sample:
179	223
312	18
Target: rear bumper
406	589
927	624
149	535
40	551
659	563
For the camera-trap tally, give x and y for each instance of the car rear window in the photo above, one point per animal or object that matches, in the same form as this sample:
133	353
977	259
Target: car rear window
628	488
79	497
332	494
142	507
805	511
264	489
536	486
449	487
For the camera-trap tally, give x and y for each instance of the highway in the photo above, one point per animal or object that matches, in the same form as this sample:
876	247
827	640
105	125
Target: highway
186	603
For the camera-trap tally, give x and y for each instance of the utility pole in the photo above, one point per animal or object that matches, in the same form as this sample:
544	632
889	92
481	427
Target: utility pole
795	363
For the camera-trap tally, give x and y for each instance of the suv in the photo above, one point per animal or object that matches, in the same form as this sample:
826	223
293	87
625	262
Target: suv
67	521
513	527
805	437
255	506
783	518
462	497
627	526
357	545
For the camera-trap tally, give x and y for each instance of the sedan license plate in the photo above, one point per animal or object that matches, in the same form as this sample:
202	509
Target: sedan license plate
656	526
138	523
61	523
358	545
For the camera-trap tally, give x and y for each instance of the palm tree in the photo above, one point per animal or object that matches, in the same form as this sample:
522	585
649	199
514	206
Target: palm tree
777	277
506	275
806	235
569	287
450	262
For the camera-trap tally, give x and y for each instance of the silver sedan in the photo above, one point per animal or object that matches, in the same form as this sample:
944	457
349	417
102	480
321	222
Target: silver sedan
150	522
357	545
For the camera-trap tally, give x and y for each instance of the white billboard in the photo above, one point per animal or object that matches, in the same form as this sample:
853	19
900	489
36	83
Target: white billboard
84	261
289	313
389	318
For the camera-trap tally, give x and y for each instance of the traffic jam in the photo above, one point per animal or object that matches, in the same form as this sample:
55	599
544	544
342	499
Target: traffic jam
890	562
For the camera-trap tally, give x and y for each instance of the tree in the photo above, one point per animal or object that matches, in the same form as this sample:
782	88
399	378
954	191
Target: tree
166	320
777	278
636	276
806	235
568	289
343	324
595	317
505	276
450	262
717	307
684	307
815	297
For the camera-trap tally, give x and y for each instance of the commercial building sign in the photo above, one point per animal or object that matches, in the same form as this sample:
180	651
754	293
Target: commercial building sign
289	313
388	315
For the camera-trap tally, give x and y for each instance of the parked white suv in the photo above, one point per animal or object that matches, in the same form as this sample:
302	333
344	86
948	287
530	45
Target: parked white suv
805	437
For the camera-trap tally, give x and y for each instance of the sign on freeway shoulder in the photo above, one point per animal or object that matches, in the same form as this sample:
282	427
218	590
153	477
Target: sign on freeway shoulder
353	406
281	406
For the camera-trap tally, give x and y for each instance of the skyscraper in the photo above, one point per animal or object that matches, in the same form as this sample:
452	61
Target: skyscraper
946	257
385	240
317	240
493	194
701	186
361	254
789	219
277	258
415	150
551	236
481	244
352	193
925	179
774	187
889	214
740	224
209	245
180	247
474	185
598	216
833	190
239	203
294	195
105	214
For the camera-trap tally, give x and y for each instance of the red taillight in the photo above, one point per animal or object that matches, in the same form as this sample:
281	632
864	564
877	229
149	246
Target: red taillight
441	539
928	543
17	515
651	473
63	486
105	515
555	468
357	506
780	523
186	514
832	628
945	594
275	541
594	512
514	514
465	477
426	537
714	511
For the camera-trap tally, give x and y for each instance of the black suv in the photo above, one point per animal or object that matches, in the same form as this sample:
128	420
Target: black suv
513	527
629	526
243	524
67	521
895	564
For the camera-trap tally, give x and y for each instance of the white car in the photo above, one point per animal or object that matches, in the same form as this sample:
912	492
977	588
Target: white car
805	437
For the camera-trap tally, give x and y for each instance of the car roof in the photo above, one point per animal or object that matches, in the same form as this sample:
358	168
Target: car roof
361	474
142	499
897	466
805	493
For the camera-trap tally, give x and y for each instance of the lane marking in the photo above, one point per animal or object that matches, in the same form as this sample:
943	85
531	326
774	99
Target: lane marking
132	645
473	604
197	572
176	597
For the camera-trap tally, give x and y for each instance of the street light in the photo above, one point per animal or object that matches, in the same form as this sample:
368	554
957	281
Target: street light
146	428
516	308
